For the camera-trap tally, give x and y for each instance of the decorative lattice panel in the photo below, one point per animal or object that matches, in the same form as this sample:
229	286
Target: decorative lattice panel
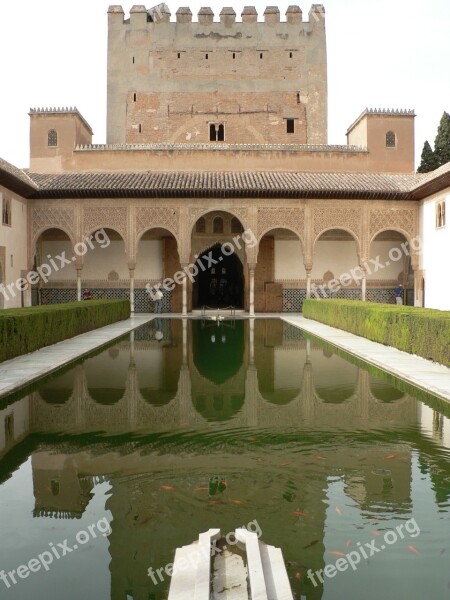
381	295
144	304
293	300
58	296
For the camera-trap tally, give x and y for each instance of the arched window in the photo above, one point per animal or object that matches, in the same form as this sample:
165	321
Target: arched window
221	133
201	225
52	138
236	226
440	214
391	139
6	212
218	225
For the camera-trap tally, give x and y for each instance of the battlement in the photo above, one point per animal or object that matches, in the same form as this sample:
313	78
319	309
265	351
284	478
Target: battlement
385	112
140	15
65	110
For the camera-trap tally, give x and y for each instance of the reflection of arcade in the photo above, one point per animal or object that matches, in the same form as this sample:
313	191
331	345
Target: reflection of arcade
222	284
281	380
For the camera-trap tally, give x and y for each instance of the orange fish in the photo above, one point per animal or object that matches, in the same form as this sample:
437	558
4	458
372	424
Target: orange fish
336	553
338	510
298	513
168	488
319	458
237	502
376	533
298	576
284	464
252	439
391	456
200	488
215	502
349	543
413	549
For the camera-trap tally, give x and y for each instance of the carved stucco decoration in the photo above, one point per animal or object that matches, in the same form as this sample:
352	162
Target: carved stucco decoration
331	217
399	219
112	217
277	217
49	217
148	217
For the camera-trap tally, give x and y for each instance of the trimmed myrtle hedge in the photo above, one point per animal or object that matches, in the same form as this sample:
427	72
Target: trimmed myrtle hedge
24	330
421	331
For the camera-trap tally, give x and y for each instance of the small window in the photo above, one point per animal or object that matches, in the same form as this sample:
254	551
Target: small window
207	56
236	226
201	225
290	54
234	55
216	132
218	225
290	126
179	54
52	138
440	214
298	97
6	212
260	55
54	486
133	60
391	139
140	128
134	97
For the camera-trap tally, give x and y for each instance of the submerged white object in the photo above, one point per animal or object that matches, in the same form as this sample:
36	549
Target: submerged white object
209	569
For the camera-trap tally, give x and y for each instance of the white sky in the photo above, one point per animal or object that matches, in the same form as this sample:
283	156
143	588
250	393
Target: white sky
381	53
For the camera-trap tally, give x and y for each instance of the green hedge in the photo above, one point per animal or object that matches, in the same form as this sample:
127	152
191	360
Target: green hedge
421	331
24	330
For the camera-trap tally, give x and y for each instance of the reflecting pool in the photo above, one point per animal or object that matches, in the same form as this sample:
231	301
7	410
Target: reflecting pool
110	465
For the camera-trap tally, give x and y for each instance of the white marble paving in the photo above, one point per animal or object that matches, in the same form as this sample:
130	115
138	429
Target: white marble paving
425	374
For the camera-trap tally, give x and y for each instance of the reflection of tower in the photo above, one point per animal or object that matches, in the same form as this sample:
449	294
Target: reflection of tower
58	490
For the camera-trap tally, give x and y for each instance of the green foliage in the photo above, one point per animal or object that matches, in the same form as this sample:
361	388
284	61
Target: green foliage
421	331
429	160
24	330
442	142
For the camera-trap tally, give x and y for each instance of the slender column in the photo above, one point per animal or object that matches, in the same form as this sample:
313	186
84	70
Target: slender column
252	290
184	341
252	341
308	283
132	288
363	287
184	310
79	284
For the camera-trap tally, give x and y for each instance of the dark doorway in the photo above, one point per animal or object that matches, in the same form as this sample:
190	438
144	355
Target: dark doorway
220	280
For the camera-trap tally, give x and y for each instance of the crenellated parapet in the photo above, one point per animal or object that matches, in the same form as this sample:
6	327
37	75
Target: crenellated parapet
160	13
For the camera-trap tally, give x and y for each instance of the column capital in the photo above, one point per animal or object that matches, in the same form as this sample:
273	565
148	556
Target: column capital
252	266
132	266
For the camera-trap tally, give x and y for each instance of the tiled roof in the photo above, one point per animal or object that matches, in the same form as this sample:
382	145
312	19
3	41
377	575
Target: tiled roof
225	184
15	179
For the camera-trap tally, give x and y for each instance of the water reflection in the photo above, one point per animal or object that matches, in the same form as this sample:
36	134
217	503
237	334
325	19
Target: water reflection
275	418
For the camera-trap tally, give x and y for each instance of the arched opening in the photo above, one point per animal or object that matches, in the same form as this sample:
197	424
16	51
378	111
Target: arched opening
158	360
336	272
157	259
390	273
219	255
52	138
105	272
106	377
279	366
59	389
335	379
218	348
57	284
384	391
220	283
280	277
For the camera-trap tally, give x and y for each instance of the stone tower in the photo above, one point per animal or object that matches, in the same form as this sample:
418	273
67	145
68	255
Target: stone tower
246	82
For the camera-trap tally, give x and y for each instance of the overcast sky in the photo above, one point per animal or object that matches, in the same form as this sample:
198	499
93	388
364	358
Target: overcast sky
381	53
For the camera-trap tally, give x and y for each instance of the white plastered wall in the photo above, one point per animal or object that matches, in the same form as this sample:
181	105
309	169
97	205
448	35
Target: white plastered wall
14	239
435	254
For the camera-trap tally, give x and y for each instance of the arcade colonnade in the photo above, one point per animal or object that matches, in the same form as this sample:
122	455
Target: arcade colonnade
293	247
